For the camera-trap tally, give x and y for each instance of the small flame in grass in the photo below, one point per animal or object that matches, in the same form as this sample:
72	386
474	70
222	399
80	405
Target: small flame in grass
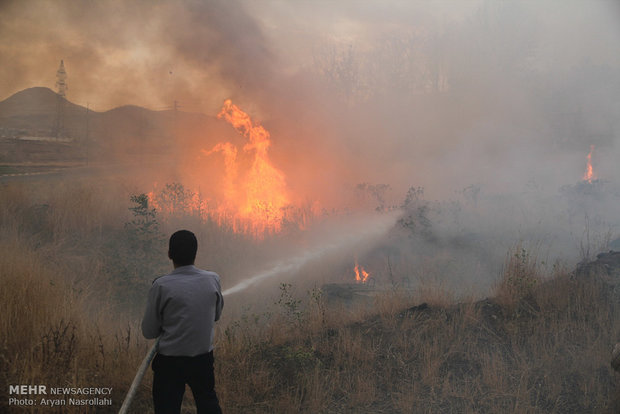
589	174
361	275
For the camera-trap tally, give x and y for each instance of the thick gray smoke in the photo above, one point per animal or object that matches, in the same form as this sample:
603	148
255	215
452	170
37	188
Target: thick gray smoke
144	53
491	107
351	232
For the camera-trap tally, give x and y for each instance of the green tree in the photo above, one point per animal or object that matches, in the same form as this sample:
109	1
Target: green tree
138	254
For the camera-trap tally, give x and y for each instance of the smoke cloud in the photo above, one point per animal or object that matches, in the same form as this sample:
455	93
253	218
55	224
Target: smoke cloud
505	97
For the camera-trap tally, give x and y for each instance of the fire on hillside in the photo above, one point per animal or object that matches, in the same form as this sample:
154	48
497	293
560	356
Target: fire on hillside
252	198
589	174
361	275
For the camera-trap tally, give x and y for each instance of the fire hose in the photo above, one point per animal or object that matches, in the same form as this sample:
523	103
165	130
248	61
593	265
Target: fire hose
138	378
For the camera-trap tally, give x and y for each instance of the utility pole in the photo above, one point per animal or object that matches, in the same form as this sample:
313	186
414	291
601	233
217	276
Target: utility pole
175	119
86	141
175	124
61	84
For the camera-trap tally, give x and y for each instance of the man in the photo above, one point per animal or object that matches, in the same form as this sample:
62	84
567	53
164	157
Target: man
181	310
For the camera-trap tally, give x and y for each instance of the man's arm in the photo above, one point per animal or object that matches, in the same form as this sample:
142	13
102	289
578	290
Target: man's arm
151	323
219	303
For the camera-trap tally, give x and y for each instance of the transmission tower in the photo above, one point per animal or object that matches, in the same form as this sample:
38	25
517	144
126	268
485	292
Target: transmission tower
61	84
61	79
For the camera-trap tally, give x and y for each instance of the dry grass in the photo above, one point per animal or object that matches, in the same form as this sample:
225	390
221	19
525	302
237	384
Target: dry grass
49	337
537	347
541	345
56	327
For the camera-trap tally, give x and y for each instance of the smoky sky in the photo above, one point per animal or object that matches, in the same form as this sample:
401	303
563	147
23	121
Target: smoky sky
143	52
435	93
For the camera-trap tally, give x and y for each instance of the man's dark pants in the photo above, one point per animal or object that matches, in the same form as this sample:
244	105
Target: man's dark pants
171	373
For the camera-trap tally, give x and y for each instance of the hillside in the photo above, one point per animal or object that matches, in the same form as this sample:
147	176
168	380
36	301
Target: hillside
29	131
540	343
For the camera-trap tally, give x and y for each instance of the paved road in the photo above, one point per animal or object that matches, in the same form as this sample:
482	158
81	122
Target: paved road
31	175
98	169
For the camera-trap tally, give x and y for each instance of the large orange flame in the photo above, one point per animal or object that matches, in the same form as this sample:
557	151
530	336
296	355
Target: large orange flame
258	197
589	174
251	197
230	165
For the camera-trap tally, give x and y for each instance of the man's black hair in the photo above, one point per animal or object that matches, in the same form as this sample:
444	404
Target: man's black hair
182	248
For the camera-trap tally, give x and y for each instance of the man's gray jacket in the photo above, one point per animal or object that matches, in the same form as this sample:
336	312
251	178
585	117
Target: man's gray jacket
181	309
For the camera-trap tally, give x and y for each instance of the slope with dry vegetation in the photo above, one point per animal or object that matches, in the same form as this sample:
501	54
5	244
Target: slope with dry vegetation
540	343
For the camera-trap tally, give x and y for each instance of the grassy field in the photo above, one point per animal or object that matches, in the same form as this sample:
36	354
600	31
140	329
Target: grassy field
74	273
